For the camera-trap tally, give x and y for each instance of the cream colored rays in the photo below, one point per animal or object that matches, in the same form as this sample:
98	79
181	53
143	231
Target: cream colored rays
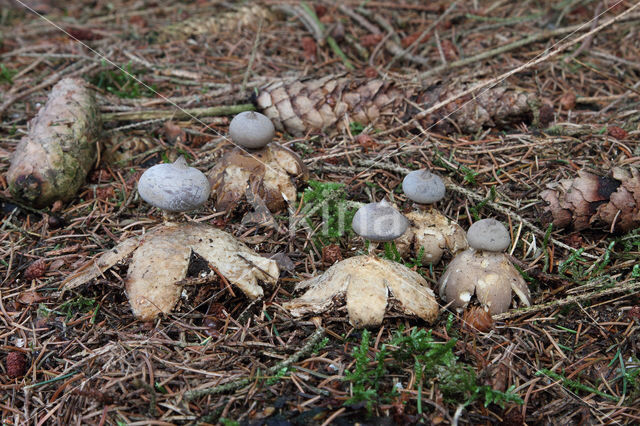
160	259
366	284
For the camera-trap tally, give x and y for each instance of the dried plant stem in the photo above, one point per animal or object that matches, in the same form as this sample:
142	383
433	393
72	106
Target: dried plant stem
152	114
629	286
305	350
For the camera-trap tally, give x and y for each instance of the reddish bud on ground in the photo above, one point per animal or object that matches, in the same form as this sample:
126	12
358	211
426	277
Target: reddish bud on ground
371	40
309	48
366	141
371	72
449	49
568	101
320	10
36	269
331	254
616	132
410	39
546	115
83	34
476	319
16	364
173	133
30	297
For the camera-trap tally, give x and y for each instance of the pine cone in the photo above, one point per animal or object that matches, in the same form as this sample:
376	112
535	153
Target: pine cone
301	106
612	202
298	107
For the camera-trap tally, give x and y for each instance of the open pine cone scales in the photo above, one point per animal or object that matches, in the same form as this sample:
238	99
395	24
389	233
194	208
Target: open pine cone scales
301	106
589	200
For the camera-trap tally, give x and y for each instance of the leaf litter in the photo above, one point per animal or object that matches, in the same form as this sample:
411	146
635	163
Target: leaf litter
572	357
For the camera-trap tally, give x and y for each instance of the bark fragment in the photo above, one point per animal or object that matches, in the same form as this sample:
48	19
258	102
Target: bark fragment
611	202
53	160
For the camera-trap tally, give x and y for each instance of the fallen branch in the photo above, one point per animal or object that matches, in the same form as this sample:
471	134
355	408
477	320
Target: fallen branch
630	286
152	114
305	350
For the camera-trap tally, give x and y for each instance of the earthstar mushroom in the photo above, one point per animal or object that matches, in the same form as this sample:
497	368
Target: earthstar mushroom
366	283
429	231
487	274
160	258
256	169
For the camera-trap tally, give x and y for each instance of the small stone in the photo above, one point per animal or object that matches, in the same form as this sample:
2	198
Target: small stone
331	254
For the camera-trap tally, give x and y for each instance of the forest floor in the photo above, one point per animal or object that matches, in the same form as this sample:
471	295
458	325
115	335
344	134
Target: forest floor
574	358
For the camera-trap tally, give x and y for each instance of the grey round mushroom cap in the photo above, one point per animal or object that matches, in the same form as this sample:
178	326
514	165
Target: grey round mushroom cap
174	187
488	234
251	130
423	187
379	222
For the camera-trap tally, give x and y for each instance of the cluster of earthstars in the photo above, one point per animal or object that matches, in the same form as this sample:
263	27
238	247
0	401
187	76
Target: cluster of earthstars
367	284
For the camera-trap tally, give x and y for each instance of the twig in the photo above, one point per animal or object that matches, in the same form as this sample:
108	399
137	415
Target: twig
305	350
618	288
152	114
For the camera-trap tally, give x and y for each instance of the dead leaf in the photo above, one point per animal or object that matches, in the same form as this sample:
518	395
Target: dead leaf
30	297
